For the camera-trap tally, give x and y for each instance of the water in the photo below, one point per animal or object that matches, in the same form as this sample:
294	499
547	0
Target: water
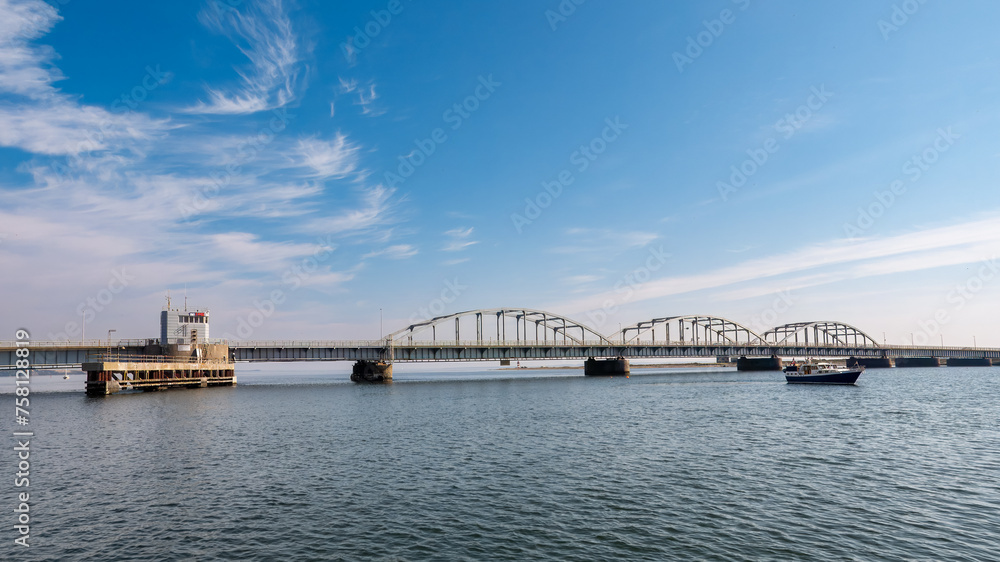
664	465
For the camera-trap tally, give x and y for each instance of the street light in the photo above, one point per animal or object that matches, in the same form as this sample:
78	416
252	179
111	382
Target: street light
380	323
109	340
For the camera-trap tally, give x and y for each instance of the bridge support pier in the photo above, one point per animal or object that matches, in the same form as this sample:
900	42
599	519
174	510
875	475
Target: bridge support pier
606	367
372	372
870	362
918	362
969	362
771	363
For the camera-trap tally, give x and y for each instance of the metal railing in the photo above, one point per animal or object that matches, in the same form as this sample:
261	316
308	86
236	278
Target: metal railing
588	343
130	358
74	344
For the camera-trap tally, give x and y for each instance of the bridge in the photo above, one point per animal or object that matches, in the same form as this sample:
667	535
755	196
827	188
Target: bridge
522	334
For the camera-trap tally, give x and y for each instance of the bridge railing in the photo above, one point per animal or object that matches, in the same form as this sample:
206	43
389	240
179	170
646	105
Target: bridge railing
382	343
130	358
81	344
415	343
514	343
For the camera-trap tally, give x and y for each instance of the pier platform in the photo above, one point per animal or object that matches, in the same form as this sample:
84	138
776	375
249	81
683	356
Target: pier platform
111	374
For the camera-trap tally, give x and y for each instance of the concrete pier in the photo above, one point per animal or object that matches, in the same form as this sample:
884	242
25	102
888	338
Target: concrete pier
771	363
969	362
918	362
606	367
372	372
108	375
870	362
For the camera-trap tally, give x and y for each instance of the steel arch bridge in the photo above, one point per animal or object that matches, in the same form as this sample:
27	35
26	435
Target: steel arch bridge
690	329
546	324
823	333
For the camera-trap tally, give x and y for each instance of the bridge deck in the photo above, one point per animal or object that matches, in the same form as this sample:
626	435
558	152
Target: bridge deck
65	355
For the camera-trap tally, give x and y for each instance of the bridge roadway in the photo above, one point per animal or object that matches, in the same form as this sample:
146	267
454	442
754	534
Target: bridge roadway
62	355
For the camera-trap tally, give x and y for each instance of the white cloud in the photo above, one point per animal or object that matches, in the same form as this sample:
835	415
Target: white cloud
21	65
375	212
59	127
249	250
264	34
459	239
582	279
347	85
599	241
914	251
44	120
366	99
332	159
395	252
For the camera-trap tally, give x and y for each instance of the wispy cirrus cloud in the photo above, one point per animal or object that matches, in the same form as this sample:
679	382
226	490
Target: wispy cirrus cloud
366	99
35	116
394	252
365	95
328	159
263	32
458	239
602	240
347	85
21	64
376	210
127	172
828	262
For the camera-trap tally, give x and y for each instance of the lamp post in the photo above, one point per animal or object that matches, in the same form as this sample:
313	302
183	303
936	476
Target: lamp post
109	340
380	323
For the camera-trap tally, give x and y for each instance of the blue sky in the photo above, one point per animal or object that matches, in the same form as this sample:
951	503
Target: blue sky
610	161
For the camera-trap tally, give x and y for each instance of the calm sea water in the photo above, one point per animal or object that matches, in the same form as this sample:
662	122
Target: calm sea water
664	465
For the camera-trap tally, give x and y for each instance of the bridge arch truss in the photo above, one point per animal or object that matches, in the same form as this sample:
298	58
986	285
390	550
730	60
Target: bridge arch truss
819	333
524	324
688	329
